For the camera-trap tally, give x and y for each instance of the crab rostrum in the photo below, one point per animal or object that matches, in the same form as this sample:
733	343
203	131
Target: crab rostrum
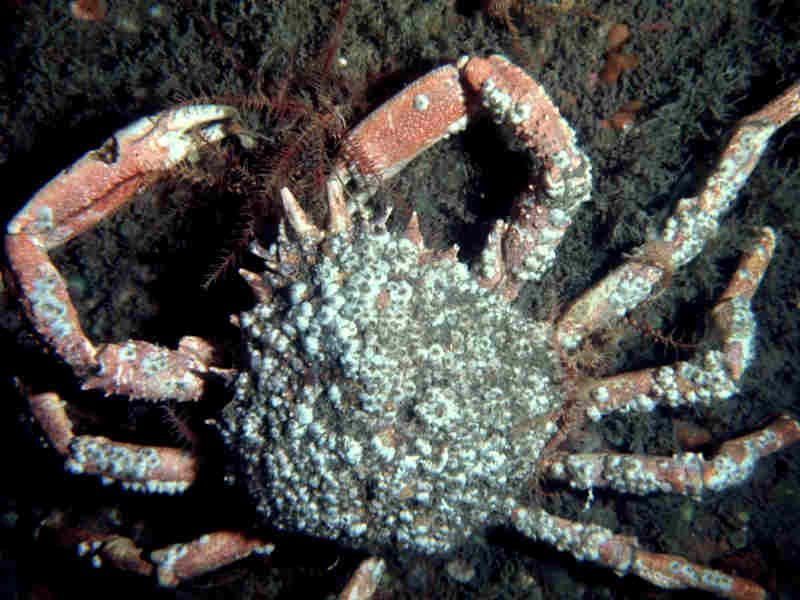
389	397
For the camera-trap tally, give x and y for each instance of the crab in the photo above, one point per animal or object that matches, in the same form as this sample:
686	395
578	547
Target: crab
390	396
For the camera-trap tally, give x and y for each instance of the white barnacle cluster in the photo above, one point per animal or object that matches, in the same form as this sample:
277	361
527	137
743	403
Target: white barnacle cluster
132	467
90	548
631	286
539	126
702	578
500	103
167	559
727	472
438	408
389	398
583	541
44	221
568	180
707	377
488	263
688	229
46	303
540	242
735	167
733	468
153	362
630	474
604	404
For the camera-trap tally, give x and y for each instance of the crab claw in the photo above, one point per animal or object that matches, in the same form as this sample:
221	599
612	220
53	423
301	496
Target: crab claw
143	370
104	179
96	185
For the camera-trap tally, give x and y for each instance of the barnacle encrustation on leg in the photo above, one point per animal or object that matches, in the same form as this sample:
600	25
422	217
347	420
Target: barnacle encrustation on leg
74	201
687	473
170	565
99	548
622	553
436	106
523	248
710	377
134	466
713	373
139	468
179	562
694	221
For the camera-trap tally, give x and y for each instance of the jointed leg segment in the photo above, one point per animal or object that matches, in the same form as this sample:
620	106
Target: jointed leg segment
694	221
622	553
76	200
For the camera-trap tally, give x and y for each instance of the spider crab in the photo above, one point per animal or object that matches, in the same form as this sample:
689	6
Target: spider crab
389	398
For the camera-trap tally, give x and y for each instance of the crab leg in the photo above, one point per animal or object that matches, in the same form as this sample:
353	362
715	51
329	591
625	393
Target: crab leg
694	221
365	580
137	467
101	548
524	248
181	562
712	375
177	563
622	553
435	106
172	564
709	376
77	199
687	473
426	111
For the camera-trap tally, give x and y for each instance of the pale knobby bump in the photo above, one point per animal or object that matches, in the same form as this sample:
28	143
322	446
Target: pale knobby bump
637	403
727	472
167	558
155	361
707	375
629	474
742	323
498	101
